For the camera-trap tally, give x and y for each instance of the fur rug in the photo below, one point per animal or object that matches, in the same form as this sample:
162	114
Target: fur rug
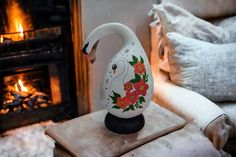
29	141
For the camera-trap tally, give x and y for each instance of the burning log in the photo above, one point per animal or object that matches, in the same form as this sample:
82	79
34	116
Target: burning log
16	103
20	94
19	101
4	111
6	40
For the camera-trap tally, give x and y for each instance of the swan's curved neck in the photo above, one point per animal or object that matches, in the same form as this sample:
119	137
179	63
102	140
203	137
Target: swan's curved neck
123	31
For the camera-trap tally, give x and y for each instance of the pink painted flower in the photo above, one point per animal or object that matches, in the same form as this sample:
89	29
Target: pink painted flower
133	97
128	87
123	102
139	68
141	87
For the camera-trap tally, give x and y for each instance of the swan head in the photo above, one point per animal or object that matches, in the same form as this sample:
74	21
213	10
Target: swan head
114	67
90	51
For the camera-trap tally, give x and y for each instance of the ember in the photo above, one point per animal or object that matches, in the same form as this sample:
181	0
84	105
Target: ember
21	95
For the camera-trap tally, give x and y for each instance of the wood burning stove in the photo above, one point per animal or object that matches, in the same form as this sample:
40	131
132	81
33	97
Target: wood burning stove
37	81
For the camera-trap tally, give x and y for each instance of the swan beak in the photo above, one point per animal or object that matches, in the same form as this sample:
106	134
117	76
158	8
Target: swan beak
92	55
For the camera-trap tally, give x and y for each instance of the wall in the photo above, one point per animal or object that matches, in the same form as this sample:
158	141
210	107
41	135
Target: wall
132	13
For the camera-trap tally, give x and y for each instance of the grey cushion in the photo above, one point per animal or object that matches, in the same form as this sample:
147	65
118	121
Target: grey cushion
226	23
206	68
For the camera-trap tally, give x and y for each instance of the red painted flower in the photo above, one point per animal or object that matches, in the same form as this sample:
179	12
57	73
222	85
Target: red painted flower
139	68
123	102
128	86
141	87
133	97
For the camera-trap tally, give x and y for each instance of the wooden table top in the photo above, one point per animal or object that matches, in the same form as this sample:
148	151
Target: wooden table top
87	136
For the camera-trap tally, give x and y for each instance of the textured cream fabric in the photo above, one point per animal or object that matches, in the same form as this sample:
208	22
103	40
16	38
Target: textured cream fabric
218	131
207	8
186	103
230	109
176	19
183	101
193	107
186	142
208	69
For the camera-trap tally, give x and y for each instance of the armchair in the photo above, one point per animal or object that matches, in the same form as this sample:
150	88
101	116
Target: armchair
215	120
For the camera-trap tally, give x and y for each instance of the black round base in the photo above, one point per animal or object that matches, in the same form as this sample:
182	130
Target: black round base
124	126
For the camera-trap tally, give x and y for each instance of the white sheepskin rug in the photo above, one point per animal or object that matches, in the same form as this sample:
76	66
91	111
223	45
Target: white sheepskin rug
29	141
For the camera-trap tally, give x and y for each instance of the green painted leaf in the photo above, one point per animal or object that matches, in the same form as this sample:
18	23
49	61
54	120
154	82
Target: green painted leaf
133	81
141	60
141	99
146	78
135	59
116	107
137	78
127	109
116	94
144	75
131	63
114	99
136	104
132	107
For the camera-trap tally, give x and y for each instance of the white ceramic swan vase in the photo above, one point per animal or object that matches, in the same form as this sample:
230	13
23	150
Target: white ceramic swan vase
127	86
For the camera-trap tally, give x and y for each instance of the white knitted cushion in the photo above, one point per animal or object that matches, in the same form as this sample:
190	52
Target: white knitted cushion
207	8
206	68
176	19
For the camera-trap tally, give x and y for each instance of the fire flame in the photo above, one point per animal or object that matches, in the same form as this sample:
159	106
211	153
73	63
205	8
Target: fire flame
21	30
1	39
18	22
21	85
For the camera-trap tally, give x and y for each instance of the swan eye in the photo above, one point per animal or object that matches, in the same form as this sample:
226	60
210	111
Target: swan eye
114	66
